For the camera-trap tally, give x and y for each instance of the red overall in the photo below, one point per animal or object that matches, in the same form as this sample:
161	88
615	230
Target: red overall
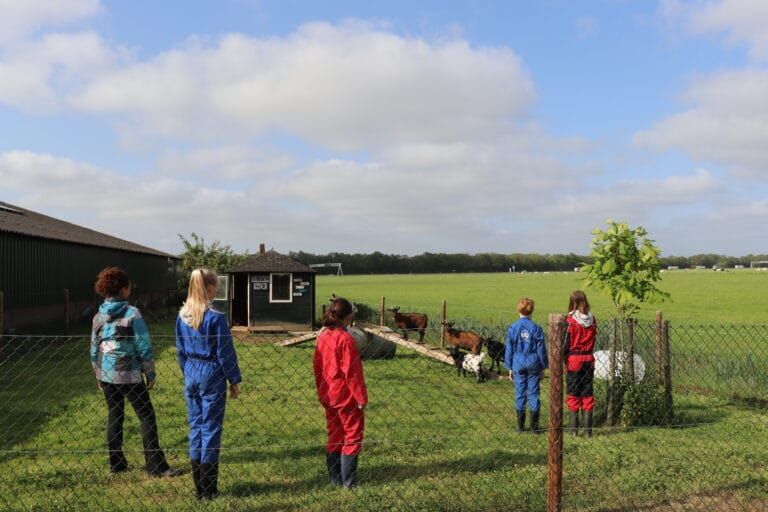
580	365
341	389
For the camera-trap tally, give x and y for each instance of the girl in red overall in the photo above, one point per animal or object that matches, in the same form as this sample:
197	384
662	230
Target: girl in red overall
341	389
580	362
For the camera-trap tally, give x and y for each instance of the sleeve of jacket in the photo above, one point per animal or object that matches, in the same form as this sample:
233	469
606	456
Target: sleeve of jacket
181	356
509	353
225	350
352	366
144	346
94	346
541	347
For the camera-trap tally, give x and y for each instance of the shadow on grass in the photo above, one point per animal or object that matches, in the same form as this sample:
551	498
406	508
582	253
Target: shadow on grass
719	498
42	379
376	475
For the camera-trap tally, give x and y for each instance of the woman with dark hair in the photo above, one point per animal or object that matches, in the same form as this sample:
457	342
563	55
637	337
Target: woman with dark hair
342	392
121	356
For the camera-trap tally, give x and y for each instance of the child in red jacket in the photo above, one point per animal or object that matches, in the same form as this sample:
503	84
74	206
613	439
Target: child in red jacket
580	362
341	390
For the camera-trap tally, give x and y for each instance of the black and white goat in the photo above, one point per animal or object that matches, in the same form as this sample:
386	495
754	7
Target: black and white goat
465	362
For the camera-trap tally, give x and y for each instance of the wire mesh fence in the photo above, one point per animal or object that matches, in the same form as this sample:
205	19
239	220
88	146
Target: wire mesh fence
434	439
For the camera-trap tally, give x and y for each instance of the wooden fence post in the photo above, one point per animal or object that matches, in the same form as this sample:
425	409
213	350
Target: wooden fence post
659	335
382	311
611	405
555	441
66	310
667	369
443	319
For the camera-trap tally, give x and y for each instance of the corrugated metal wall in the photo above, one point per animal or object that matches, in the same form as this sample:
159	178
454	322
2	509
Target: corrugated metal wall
35	271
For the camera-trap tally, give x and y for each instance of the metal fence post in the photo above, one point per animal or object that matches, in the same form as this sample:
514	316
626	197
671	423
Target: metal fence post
555	440
2	321
611	405
630	355
659	335
667	368
443	319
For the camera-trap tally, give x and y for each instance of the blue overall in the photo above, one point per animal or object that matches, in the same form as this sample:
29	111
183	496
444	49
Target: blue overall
526	356
208	360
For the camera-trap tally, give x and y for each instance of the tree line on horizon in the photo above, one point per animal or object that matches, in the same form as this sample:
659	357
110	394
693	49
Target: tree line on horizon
439	263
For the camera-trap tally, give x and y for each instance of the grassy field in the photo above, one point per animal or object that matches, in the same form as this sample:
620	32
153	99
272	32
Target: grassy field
697	296
434	441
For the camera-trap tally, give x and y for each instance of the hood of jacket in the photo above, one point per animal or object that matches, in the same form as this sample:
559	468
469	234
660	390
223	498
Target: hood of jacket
113	308
585	320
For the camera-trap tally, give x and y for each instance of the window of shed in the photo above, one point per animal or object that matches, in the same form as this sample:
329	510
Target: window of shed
222	293
280	288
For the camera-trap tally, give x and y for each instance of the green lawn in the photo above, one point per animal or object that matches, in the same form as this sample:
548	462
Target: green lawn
697	296
435	441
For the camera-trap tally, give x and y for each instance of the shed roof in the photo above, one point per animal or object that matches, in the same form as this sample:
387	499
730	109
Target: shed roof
270	261
18	220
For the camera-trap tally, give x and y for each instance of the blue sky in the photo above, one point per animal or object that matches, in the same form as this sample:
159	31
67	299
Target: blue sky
394	126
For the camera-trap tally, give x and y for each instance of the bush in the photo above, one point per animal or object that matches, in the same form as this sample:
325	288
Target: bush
366	313
645	405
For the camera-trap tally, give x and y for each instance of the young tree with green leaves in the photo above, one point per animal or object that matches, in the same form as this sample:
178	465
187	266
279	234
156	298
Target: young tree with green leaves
198	254
625	265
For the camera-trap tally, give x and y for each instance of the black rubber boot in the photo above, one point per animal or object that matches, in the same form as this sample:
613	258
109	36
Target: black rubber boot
333	461
520	421
349	471
196	478
535	422
588	424
573	422
209	477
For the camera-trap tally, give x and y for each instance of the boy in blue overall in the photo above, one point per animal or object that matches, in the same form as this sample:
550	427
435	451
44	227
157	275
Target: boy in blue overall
526	359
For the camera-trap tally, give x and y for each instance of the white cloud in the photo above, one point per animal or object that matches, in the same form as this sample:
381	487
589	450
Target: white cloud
18	18
727	123
223	162
345	86
741	22
39	75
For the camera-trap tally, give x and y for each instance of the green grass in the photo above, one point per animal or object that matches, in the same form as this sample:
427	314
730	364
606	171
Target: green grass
435	441
697	296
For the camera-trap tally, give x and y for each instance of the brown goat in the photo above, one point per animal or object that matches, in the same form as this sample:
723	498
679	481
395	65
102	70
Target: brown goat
463	339
411	322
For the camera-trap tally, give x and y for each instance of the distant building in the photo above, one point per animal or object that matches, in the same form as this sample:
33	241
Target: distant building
673	267
272	292
44	261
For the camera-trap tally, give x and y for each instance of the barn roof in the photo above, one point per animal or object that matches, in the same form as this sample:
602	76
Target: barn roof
270	261
14	219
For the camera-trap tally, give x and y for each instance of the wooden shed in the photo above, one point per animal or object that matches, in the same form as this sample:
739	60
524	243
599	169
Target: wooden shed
272	292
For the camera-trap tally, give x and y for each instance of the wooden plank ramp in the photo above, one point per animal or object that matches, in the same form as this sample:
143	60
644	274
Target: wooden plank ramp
425	350
296	340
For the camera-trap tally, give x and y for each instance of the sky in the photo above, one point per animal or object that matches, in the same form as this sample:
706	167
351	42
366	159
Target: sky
402	127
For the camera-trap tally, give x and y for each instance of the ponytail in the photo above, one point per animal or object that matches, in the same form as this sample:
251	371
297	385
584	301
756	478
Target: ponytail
194	307
339	310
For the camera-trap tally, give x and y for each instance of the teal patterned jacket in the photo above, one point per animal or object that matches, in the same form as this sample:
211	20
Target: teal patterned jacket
121	351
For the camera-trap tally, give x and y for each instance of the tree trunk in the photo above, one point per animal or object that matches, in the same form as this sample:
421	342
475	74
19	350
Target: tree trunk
629	364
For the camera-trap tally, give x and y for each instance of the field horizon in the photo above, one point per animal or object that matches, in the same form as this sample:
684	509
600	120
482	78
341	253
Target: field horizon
696	296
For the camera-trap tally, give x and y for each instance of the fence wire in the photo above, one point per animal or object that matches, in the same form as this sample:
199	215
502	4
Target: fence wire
434	439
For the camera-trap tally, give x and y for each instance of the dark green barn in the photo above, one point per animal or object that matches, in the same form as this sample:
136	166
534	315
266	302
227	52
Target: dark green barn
48	267
272	292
